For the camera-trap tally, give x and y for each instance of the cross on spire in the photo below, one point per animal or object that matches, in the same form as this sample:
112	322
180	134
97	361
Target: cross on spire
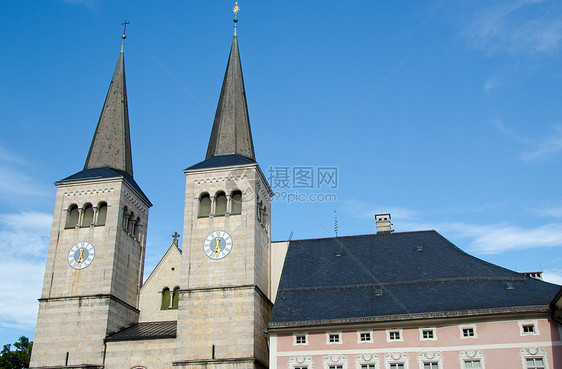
124	24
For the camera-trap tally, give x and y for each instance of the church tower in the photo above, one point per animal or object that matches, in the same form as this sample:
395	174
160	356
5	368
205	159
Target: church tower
225	288
97	246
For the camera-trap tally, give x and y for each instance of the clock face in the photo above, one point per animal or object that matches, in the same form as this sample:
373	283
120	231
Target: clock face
217	245
81	255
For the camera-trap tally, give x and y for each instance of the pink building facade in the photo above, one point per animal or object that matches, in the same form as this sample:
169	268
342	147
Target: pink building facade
409	300
507	342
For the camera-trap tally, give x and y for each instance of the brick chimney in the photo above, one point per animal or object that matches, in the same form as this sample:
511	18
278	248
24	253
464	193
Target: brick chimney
383	223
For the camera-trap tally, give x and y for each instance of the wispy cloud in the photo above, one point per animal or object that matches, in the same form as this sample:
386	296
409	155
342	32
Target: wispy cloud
527	27
16	185
501	77
536	149
477	238
553	276
547	147
24	239
500	238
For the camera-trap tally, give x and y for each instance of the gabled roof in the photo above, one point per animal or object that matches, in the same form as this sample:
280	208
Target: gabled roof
102	173
231	132
317	287
146	331
111	145
172	250
226	160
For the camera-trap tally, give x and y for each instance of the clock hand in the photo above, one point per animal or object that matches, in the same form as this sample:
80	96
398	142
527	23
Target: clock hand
217	247
80	259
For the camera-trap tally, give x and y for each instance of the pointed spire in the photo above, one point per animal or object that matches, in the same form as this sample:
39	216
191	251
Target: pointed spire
231	132
111	145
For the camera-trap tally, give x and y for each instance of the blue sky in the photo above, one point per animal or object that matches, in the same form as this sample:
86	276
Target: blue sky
445	114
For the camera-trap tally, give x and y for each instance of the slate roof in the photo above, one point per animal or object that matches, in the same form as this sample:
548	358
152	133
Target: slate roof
146	331
225	160
319	288
231	131
104	172
111	145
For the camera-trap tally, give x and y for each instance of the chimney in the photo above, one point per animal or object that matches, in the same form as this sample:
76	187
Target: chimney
383	223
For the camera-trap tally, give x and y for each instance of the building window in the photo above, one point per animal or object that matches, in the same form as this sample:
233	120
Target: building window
394	335
428	334
102	214
301	367
334	337
88	217
396	366
338	366
220	204
204	205
300	339
364	337
534	363
236	203
176	298
471	359
528	328
430	365
468	331
165	298
72	216
470	364
368	366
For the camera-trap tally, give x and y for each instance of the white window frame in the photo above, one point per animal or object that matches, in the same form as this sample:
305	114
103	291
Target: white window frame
367	359
334	360
370	340
535	325
300	334
300	361
340	340
468	326
472	355
399	330
430	357
396	358
534	353
433	329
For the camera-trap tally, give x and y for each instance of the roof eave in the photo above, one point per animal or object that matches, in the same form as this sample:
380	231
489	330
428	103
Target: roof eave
544	309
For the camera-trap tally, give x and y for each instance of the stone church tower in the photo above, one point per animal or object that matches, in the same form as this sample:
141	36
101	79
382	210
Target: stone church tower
225	284
97	246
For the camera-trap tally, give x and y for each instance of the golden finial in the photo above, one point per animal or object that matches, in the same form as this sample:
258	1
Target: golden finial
236	9
123	37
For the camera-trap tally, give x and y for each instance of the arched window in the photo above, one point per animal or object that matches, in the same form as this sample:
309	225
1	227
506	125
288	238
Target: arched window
236	203
204	205
260	210
72	216
125	222
131	223
88	217
136	227
176	298
165	298
220	205
102	213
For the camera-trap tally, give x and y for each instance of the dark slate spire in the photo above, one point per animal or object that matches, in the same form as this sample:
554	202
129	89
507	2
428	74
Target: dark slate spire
231	132
111	145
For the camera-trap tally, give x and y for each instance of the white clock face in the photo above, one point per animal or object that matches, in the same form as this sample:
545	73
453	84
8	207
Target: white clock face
81	255
217	245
